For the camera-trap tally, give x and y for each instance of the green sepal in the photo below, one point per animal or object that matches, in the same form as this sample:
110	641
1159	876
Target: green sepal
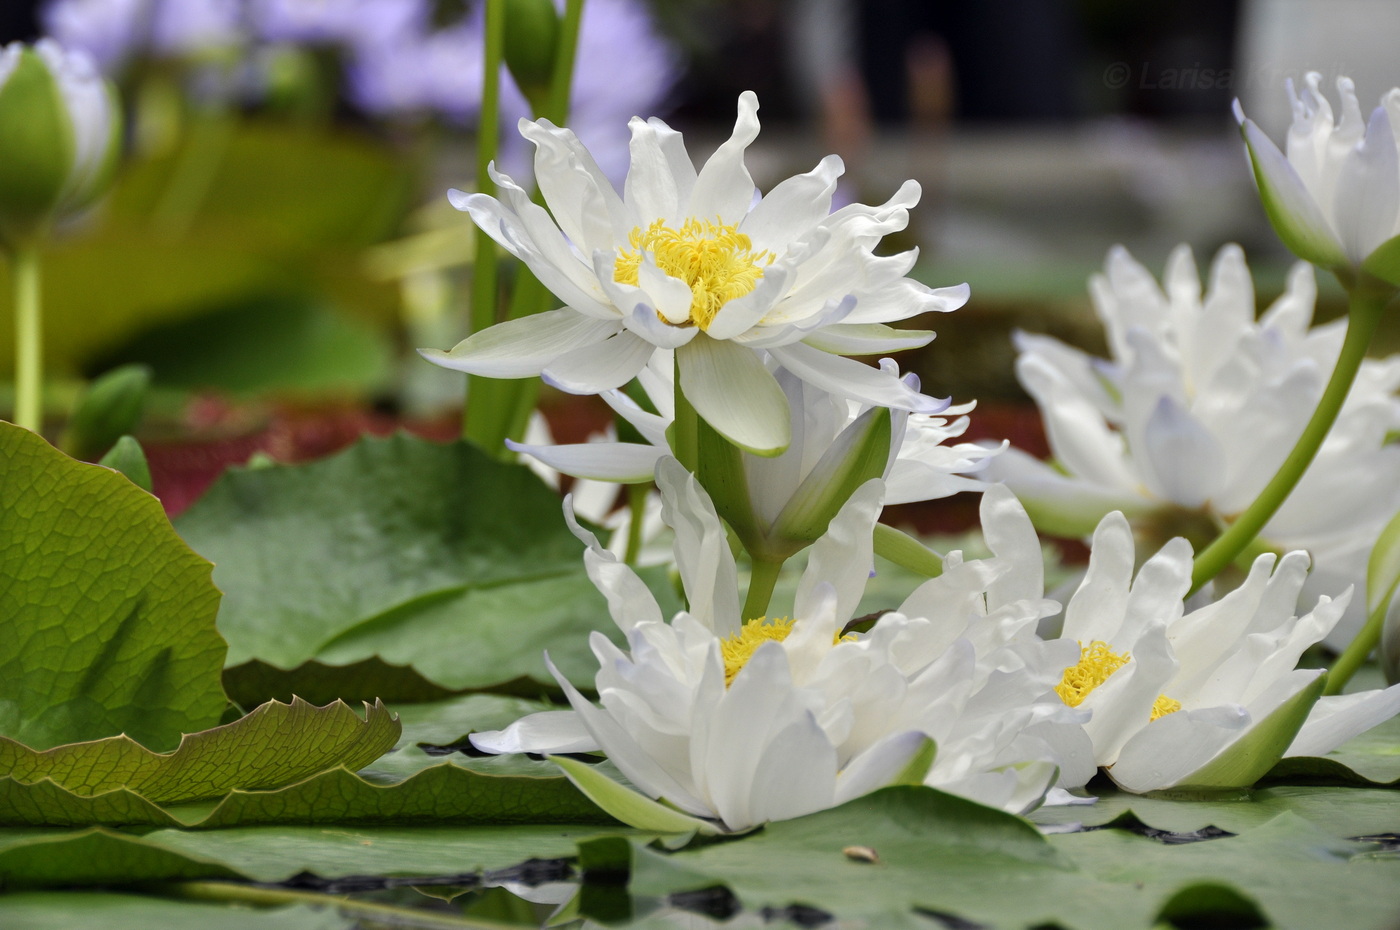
721	473
110	408
1384	262
859	454
633	809
37	148
906	551
1383	567
1305	235
531	46
1250	757
127	457
917	768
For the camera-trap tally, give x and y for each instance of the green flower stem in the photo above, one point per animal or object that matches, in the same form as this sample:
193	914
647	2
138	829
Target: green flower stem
377	914
1358	650
192	176
685	430
497	410
562	82
29	338
763	576
906	551
1365	314
636	511
488	134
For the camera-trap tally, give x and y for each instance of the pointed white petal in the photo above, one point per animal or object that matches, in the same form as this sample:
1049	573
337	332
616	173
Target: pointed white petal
549	732
724	189
523	348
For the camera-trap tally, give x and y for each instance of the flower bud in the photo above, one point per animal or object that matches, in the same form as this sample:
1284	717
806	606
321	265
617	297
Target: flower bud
532	36
60	133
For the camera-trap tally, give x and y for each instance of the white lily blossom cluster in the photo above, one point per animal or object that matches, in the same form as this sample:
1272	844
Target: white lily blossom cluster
737	307
741	722
1197	407
1210	698
693	261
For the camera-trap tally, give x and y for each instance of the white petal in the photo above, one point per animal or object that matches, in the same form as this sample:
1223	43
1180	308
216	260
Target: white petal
525	347
724	189
877	766
1012	539
553	731
848	378
793	207
702	549
1334	720
795	775
1187	463
651	190
731	389
845	554
1170	748
622	462
1367	196
599	367
1095	612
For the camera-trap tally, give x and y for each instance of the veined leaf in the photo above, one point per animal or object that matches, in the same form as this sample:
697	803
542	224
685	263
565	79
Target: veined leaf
275	745
106	615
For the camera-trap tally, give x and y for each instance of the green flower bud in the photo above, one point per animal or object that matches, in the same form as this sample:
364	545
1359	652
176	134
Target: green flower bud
60	134
532	36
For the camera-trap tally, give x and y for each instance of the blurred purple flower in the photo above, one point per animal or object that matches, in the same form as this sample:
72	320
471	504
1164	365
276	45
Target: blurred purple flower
114	31
336	22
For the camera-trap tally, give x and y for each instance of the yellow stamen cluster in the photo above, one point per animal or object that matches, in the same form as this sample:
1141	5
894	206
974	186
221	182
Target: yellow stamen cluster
1096	663
739	648
715	259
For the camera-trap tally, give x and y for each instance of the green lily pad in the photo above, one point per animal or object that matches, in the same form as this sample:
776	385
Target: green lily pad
940	854
109	615
63	910
1371	759
429	556
406	787
101	856
275	745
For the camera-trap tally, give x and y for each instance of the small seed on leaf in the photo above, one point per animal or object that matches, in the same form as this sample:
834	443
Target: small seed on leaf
861	854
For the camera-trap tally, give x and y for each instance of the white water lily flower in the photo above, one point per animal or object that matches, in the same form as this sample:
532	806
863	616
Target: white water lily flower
1335	199
1209	699
1196	409
827	431
743	722
693	261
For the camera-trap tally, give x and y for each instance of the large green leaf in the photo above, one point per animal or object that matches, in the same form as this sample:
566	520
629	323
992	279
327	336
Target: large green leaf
938	853
107	616
432	556
260	342
64	910
406	787
1339	812
35	859
275	745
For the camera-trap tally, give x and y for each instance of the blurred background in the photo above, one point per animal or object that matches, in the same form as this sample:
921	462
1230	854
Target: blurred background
278	240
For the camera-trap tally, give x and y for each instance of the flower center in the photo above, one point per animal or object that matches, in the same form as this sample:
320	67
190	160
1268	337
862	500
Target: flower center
739	648
1096	663
715	259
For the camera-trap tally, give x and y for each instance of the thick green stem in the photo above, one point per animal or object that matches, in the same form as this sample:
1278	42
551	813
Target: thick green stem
636	517
1358	650
488	133
685	429
1365	315
29	338
763	577
385	914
